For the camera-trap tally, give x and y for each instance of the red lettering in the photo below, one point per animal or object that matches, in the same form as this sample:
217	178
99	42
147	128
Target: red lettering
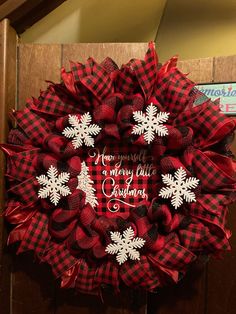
230	108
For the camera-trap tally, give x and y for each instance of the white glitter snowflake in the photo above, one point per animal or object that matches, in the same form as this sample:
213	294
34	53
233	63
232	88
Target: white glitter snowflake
178	187
81	130
86	185
125	246
53	185
150	123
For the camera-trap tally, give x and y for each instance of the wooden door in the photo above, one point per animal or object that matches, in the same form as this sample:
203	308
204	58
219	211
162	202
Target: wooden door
27	287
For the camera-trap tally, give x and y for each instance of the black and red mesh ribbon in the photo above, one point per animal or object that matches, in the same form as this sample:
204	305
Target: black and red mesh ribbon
72	236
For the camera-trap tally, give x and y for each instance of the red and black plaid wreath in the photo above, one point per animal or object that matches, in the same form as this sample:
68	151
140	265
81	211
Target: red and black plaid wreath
120	176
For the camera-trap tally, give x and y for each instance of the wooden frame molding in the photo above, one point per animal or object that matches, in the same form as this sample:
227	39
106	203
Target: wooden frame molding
8	46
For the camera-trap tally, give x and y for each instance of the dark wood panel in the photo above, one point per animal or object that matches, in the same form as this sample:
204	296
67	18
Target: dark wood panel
184	298
128	302
37	63
222	277
8	40
198	70
225	69
32	286
119	52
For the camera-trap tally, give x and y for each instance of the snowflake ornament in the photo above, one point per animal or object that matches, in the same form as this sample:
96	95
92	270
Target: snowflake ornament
86	185
81	130
125	246
53	185
150	123
178	187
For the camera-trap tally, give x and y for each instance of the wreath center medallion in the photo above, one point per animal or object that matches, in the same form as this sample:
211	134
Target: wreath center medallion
122	176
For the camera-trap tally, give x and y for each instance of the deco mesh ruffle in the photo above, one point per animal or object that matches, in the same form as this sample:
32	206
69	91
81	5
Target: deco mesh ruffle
120	175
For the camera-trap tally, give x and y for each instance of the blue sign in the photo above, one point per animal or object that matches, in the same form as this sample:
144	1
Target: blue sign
225	91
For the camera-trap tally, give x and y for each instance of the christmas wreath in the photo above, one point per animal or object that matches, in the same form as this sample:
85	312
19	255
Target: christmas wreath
120	175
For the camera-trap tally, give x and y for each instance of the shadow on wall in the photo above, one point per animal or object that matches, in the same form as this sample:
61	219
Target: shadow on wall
98	21
197	29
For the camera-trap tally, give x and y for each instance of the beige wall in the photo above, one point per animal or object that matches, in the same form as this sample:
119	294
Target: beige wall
195	29
190	28
98	21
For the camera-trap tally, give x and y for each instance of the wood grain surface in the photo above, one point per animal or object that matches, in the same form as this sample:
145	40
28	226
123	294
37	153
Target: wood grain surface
36	64
128	302
120	53
198	70
225	69
185	298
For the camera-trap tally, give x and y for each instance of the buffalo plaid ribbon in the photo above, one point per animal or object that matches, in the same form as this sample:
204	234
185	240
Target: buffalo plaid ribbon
172	90
20	161
59	258
57	103
108	274
34	126
85	277
36	237
207	122
139	273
